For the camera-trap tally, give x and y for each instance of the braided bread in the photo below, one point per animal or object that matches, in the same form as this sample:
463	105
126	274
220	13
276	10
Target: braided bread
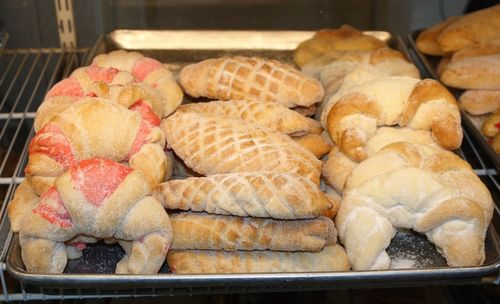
97	128
250	78
331	258
212	145
102	199
197	230
404	101
429	190
255	194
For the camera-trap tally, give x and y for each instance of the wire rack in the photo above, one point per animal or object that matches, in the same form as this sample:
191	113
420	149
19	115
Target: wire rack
25	77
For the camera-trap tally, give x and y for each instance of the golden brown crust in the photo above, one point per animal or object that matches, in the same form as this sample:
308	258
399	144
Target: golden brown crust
331	258
250	78
267	114
255	194
479	26
427	39
199	230
491	126
481	72
215	145
24	200
314	143
479	102
342	39
95	128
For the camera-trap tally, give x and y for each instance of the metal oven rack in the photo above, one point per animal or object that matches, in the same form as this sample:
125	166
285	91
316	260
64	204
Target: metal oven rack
25	76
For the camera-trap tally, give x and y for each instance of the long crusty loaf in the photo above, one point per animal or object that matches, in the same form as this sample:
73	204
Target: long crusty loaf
479	26
429	190
268	114
248	78
275	195
211	145
199	230
427	40
331	258
481	72
478	102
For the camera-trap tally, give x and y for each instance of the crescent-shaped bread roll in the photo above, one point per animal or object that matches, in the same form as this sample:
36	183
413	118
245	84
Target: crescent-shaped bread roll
199	230
429	190
212	145
268	114
255	194
250	78
331	258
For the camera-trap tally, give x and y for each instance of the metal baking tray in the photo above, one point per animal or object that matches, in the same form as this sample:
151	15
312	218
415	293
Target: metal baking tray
472	122
177	48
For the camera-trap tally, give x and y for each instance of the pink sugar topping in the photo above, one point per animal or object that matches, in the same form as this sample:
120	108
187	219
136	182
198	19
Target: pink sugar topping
144	66
66	87
51	208
148	122
101	74
50	140
98	178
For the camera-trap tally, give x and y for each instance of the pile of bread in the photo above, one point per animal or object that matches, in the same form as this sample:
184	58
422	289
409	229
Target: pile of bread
470	50
237	184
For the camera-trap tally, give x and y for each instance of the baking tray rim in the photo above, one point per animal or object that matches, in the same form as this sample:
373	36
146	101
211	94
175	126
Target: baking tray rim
69	280
485	273
476	133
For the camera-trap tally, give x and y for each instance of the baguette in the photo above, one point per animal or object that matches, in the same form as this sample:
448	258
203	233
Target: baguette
197	230
331	258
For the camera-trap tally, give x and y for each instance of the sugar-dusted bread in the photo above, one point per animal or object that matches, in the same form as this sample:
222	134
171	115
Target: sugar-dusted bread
24	200
479	26
339	166
358	111
250	78
101	199
199	230
344	38
331	258
478	102
391	61
146	71
268	114
427	40
254	194
478	72
211	145
429	190
97	128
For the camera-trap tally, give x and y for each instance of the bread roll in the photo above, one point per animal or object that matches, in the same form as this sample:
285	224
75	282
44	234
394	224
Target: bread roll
331	258
427	40
479	102
482	72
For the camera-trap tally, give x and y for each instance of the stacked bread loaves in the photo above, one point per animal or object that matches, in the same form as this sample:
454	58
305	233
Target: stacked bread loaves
470	45
392	133
93	162
258	206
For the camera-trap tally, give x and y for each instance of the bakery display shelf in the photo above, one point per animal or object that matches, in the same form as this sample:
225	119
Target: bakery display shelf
471	122
92	275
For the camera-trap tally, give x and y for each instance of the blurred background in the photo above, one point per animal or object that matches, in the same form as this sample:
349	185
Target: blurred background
32	23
